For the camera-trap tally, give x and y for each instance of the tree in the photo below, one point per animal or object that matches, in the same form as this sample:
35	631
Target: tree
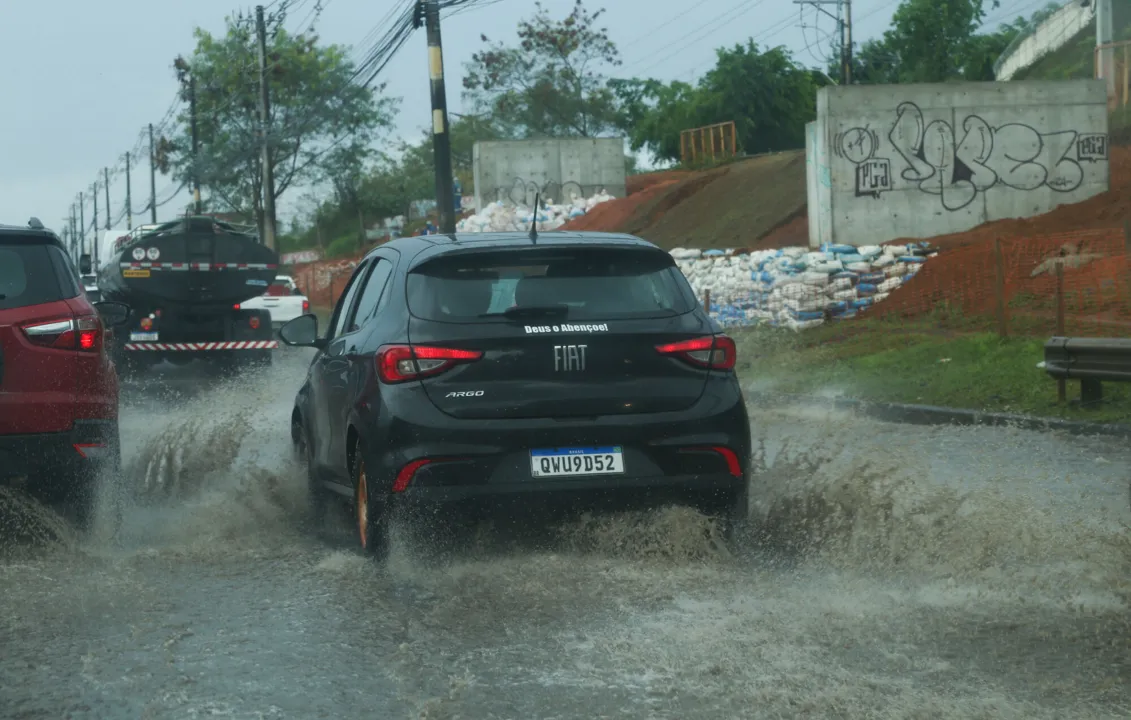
551	84
766	94
319	119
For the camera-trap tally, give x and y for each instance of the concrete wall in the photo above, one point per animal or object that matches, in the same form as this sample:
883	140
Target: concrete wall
925	160
513	171
1049	36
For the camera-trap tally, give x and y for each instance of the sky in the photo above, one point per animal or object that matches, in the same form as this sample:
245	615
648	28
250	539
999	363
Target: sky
77	98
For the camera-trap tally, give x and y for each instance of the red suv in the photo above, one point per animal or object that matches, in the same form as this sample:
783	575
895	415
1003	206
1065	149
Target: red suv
58	386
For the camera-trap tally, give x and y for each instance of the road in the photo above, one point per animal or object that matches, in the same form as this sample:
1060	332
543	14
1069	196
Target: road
900	572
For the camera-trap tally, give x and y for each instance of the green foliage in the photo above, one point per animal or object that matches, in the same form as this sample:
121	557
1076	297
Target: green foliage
767	94
938	41
551	84
322	125
343	247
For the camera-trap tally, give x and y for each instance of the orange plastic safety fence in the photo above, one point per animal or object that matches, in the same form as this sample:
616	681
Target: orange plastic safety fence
1095	288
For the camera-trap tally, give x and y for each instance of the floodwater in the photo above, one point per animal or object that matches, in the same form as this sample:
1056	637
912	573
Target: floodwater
899	572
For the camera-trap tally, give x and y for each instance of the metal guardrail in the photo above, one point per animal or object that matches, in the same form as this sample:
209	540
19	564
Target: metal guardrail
1092	361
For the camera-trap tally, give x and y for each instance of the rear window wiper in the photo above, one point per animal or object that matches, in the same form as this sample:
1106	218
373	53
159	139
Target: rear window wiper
535	311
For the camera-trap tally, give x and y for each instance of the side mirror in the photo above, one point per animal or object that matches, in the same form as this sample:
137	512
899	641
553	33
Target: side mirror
302	332
114	314
84	264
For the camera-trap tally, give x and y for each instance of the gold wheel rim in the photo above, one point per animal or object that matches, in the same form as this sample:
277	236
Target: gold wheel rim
362	506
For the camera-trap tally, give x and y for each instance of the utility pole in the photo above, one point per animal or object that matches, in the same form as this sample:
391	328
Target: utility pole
129	211
94	199
106	179
152	178
1105	62
268	225
74	233
82	222
195	143
843	18
441	140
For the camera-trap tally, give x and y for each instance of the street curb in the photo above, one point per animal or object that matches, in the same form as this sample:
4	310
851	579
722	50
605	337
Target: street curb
935	415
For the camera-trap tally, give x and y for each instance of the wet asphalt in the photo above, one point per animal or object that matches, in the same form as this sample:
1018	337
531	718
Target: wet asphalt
897	572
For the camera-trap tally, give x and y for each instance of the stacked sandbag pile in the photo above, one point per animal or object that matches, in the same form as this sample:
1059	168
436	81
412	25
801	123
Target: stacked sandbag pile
503	217
796	287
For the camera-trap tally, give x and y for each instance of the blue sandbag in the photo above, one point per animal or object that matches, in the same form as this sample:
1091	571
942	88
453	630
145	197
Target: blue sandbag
838	249
912	259
866	288
861	303
845	275
873	278
806	315
853	258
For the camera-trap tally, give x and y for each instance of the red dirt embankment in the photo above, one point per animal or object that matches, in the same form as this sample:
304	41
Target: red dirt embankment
735	205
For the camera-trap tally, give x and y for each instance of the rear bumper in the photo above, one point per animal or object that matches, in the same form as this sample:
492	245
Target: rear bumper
54	464
713	494
668	457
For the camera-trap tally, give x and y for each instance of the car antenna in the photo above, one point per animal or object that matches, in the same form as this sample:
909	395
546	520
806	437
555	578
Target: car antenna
534	219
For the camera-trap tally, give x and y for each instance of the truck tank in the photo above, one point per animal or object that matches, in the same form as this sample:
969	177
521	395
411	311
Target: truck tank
193	261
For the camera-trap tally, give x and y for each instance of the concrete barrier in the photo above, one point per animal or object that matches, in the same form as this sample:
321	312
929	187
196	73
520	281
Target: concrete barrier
916	161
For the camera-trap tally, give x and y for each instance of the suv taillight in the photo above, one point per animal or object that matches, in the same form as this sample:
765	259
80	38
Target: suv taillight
82	333
716	352
398	363
305	307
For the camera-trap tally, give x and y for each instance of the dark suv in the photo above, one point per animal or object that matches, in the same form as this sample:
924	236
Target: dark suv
567	369
58	388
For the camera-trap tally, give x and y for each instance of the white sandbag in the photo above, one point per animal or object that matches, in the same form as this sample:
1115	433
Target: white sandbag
799	325
859	267
816	279
869	251
888	285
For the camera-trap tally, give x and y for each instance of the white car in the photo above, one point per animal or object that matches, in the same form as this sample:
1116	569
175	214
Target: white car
283	300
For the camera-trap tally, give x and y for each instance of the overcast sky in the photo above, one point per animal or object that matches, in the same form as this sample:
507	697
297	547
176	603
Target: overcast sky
81	80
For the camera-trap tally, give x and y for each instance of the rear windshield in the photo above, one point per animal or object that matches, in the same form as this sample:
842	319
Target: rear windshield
27	276
277	290
594	283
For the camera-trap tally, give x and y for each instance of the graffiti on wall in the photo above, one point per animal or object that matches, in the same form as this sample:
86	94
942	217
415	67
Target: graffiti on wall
958	164
523	192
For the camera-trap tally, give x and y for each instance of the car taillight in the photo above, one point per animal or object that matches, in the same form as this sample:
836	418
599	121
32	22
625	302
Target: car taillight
716	352
83	333
398	363
146	324
236	306
305	306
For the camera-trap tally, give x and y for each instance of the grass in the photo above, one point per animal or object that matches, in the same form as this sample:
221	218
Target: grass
950	364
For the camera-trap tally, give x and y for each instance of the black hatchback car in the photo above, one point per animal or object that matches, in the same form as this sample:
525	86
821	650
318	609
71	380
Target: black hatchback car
481	371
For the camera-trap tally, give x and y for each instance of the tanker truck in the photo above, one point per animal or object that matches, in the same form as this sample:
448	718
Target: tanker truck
184	281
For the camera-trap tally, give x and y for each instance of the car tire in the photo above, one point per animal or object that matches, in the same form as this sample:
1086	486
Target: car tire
735	519
304	455
371	517
101	483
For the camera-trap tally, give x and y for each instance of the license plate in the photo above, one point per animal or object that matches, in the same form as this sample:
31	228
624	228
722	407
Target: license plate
143	337
569	462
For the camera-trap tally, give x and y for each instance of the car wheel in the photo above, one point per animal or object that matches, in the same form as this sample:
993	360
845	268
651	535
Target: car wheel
304	454
98	497
370	512
735	519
